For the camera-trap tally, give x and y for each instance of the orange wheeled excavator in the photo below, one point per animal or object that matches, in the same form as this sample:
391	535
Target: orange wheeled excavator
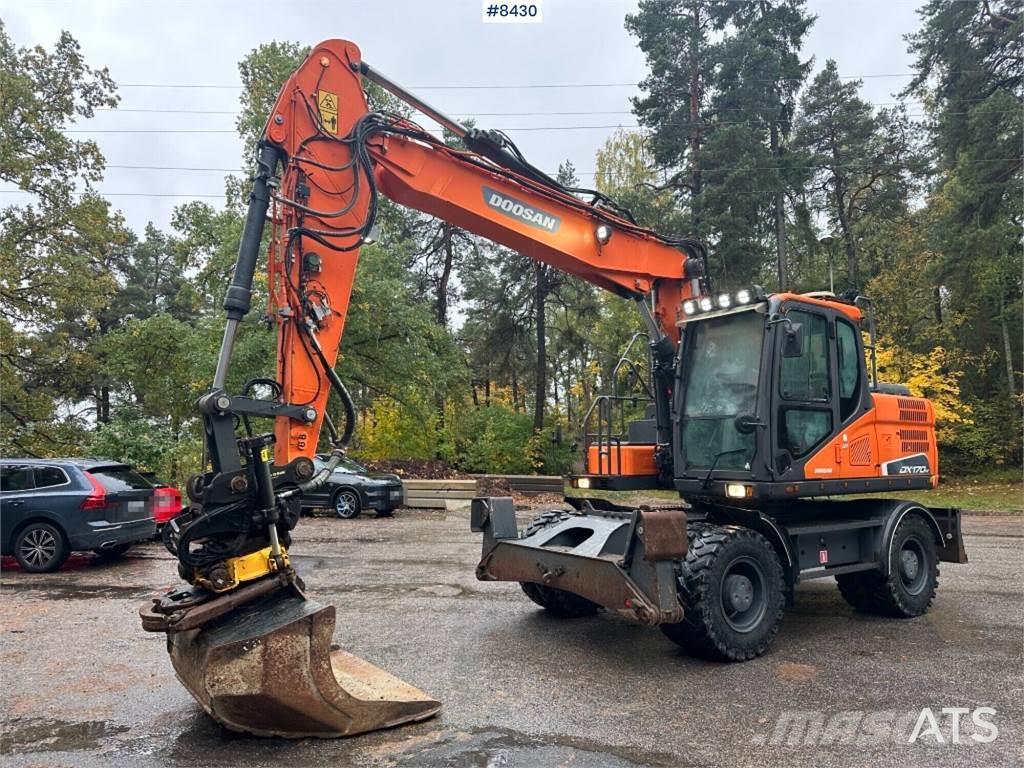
764	407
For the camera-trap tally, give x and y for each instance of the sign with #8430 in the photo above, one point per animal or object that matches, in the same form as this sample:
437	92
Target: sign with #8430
511	13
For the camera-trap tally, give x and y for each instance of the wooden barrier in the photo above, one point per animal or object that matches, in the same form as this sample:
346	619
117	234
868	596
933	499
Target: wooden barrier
433	494
444	494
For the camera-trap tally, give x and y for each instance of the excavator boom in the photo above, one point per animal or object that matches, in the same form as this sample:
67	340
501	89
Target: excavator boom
244	638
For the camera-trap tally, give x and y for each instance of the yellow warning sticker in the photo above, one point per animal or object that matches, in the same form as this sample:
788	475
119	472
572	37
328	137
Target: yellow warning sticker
265	454
327	102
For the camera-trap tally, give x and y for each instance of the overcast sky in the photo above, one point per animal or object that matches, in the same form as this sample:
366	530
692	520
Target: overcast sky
419	44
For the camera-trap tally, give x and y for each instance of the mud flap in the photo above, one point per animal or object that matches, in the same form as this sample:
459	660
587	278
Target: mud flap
268	669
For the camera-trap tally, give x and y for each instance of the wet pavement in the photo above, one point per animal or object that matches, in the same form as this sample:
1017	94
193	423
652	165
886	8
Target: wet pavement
83	685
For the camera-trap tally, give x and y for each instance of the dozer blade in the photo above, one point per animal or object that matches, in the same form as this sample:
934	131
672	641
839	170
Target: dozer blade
267	669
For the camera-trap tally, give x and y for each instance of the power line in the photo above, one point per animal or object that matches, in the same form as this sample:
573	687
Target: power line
453	114
101	193
573	114
526	128
204	130
173	168
578	173
510	86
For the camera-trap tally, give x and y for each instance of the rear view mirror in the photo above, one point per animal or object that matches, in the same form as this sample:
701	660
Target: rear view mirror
793	344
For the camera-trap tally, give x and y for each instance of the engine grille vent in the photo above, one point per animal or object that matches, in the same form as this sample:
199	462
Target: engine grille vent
914	440
912	410
860	452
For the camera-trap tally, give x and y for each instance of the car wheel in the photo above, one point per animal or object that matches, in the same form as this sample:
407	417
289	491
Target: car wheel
112	553
40	548
346	504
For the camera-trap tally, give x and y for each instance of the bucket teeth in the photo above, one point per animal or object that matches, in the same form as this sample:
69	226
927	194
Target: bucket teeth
267	669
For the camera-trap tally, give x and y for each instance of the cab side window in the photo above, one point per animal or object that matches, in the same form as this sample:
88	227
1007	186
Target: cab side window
805	386
807	377
849	369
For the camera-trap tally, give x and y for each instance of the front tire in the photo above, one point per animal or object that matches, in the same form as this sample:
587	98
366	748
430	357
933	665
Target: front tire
732	590
346	504
913	577
40	548
557	602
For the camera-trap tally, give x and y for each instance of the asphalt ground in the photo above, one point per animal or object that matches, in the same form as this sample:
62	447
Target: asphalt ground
83	685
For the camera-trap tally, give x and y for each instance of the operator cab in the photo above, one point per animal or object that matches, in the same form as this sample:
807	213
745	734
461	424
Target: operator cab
773	400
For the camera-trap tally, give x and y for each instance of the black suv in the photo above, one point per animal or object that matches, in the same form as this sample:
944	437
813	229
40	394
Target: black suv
52	507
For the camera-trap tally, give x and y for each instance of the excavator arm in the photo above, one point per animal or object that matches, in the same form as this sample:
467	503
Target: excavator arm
323	162
337	158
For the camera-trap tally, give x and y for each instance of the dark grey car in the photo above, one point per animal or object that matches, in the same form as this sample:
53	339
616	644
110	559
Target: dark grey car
52	507
353	488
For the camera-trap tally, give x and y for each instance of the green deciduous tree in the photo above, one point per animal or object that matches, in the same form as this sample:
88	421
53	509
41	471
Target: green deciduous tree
55	251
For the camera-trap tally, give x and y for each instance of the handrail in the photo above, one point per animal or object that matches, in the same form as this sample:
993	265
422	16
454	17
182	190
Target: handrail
606	437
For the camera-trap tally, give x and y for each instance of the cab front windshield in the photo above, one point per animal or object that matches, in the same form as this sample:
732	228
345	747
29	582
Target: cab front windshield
724	361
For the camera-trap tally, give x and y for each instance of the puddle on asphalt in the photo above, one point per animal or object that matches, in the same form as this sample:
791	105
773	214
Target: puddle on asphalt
60	591
40	735
496	748
415	590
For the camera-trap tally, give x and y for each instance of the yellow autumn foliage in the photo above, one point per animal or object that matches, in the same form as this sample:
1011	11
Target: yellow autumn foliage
934	375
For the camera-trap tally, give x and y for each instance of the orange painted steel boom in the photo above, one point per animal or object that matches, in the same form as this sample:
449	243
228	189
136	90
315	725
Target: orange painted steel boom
337	156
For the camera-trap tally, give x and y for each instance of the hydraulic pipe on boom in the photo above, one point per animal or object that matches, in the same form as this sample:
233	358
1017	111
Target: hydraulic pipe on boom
234	636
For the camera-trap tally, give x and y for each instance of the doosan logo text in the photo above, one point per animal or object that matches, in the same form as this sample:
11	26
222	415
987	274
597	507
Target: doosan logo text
520	210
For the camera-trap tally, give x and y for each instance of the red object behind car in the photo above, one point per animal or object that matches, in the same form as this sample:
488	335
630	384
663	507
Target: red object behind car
166	504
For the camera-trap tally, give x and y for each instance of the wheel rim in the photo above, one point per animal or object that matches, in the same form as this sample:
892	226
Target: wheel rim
38	547
744	595
345	504
913	566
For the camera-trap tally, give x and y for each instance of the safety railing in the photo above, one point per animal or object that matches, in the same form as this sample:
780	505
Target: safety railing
605	424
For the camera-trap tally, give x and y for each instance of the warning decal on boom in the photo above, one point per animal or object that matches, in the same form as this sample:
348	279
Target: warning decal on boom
327	103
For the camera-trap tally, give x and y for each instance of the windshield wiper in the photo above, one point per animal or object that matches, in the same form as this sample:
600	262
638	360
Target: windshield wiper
714	463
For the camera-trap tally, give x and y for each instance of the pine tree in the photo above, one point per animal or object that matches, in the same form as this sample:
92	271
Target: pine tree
861	161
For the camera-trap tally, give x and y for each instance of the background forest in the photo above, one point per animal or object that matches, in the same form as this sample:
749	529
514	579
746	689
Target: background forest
461	350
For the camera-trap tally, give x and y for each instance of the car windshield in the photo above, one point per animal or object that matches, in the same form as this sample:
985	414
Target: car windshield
346	465
724	361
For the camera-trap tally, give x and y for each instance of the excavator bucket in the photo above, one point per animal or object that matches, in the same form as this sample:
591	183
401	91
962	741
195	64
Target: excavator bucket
268	668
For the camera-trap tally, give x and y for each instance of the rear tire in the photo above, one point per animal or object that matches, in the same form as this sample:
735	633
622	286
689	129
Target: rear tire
112	553
346	504
913	577
732	590
40	548
557	602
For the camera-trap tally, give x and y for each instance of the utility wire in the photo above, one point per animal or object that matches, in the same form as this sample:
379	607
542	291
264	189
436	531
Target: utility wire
508	86
707	123
579	173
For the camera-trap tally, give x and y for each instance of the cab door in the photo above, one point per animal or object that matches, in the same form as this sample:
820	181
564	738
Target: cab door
855	445
804	403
